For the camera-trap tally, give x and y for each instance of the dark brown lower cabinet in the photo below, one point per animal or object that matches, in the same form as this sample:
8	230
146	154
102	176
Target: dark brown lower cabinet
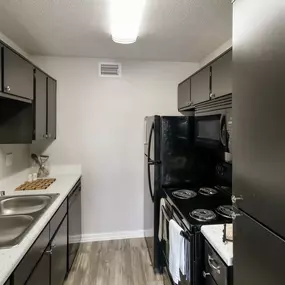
46	261
7	282
59	255
41	273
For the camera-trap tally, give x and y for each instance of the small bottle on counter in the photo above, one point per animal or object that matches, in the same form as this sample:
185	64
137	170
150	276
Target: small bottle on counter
34	171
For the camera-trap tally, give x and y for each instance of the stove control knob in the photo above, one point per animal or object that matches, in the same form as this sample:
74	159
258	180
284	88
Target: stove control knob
236	198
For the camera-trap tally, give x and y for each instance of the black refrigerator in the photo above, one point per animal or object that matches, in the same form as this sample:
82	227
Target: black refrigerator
259	141
168	162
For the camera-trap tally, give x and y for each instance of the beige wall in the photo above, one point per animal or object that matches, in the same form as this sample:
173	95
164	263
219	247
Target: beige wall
100	125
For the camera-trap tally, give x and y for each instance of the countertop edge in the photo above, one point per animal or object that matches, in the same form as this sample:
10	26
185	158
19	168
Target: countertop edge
209	237
38	227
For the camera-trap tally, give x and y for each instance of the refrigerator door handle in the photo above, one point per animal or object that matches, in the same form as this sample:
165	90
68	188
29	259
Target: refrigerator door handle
149	183
150	163
153	162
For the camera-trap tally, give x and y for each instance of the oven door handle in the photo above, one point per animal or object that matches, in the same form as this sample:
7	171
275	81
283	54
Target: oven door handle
165	214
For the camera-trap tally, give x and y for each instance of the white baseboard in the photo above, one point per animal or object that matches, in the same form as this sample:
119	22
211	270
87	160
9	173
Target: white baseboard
112	236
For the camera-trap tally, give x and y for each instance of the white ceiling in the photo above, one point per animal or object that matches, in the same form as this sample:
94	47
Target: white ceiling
173	30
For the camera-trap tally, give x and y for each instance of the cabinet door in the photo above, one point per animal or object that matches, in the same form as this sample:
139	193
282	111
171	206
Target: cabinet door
40	105
74	225
41	273
51	109
59	255
222	75
18	75
31	258
200	86
184	95
258	254
7	282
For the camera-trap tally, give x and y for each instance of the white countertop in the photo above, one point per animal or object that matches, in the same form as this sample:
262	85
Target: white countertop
214	235
66	177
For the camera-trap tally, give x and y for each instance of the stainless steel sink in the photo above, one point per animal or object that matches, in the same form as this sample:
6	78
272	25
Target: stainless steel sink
12	228
18	214
23	205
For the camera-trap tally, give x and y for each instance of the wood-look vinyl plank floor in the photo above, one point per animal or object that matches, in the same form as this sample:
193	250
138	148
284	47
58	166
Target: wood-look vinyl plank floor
119	262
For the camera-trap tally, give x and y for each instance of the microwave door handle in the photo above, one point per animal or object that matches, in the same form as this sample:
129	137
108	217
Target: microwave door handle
222	133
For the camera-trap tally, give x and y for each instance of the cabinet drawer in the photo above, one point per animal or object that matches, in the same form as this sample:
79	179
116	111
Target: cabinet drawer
31	258
215	266
57	218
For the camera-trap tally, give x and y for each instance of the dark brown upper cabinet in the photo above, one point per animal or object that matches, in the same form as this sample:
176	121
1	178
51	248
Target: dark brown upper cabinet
40	106
44	107
200	86
222	76
184	94
18	75
51	108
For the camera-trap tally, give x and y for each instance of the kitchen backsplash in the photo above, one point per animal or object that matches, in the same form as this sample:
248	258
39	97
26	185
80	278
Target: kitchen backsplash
20	159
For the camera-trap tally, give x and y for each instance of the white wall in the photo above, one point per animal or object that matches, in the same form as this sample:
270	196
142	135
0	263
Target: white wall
21	153
221	49
100	125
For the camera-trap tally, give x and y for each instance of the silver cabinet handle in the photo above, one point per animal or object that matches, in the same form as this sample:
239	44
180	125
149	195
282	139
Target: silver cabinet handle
7	88
236	198
48	252
205	274
212	96
53	246
211	261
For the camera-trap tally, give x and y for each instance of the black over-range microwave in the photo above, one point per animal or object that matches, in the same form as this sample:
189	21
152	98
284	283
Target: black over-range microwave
213	125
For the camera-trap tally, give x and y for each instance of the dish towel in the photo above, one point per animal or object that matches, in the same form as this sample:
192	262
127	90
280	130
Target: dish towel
176	251
161	227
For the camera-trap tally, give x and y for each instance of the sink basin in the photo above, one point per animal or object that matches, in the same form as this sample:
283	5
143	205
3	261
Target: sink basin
23	205
12	228
18	214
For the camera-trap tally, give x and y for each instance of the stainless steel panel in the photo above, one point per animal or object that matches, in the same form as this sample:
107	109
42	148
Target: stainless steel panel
12	228
18	214
23	205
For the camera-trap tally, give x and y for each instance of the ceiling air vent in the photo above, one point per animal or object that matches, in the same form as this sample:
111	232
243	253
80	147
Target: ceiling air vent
110	69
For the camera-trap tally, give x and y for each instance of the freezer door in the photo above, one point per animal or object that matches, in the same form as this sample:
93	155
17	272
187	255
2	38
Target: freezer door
258	110
258	254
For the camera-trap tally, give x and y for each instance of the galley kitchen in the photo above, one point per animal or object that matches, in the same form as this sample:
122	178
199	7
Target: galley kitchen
139	142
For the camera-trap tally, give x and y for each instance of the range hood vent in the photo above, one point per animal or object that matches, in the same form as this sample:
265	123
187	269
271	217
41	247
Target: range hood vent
110	69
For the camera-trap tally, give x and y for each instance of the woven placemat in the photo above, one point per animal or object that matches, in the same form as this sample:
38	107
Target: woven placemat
39	184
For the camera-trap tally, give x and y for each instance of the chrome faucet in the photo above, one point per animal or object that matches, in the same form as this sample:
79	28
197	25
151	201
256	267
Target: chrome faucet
2	193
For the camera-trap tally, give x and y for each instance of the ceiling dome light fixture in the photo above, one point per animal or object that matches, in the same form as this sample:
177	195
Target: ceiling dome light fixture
126	16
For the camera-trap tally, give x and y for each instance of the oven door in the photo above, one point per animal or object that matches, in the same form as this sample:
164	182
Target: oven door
211	130
169	213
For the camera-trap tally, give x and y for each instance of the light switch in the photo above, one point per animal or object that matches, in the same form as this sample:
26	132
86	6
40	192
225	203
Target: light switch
9	159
